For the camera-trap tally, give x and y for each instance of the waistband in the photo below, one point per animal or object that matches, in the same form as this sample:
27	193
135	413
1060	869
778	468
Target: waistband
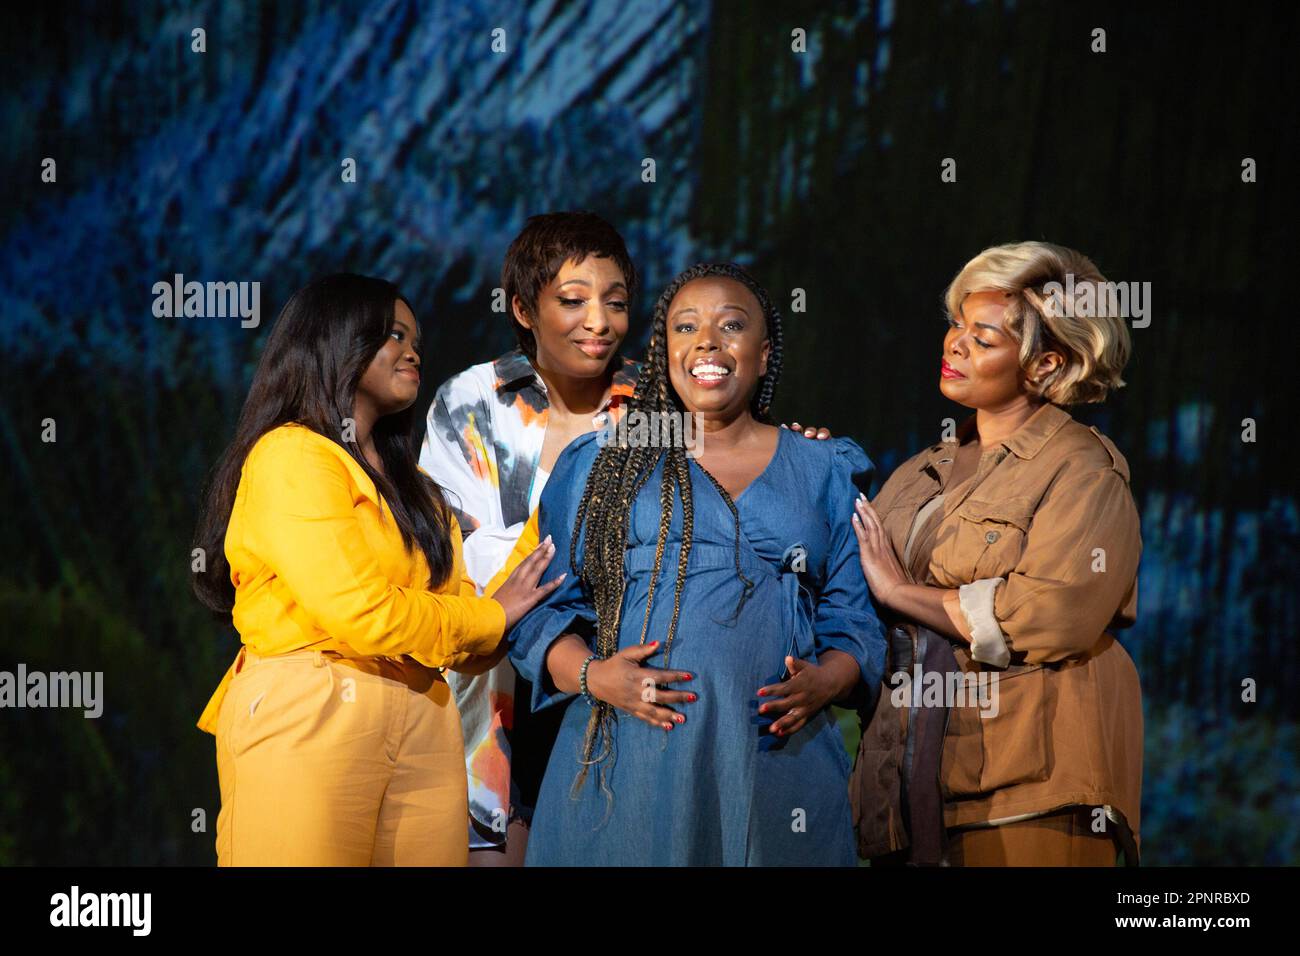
641	557
403	670
319	657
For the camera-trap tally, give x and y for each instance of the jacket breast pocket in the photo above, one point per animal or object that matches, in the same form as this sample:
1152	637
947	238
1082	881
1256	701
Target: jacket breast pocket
1001	738
991	535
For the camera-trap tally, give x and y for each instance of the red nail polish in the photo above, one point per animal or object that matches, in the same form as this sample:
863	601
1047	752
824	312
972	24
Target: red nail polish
762	708
690	677
654	643
762	692
692	698
680	719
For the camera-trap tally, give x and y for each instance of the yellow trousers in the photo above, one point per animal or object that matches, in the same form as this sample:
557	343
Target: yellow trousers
331	761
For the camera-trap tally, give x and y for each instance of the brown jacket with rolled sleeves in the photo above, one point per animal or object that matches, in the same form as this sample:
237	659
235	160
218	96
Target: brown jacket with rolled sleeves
1048	525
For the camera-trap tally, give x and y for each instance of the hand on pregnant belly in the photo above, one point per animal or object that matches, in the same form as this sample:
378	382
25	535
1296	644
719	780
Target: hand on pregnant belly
809	688
624	682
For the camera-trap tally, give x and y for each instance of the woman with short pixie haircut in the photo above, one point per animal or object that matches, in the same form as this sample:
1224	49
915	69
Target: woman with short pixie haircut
494	432
1010	554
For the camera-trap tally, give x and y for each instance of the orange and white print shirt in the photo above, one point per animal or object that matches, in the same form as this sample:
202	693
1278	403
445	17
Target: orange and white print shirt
483	446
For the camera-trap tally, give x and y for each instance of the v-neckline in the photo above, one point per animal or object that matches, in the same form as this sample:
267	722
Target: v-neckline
776	453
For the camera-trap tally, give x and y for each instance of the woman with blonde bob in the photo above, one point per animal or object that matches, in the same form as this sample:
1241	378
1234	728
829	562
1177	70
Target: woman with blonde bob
1006	555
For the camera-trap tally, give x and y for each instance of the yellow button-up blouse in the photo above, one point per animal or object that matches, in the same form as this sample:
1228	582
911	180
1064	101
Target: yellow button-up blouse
318	563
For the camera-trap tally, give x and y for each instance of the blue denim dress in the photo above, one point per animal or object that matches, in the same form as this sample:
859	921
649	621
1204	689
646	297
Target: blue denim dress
718	789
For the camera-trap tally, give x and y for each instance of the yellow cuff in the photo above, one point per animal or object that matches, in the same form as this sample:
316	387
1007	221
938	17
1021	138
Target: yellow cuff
490	627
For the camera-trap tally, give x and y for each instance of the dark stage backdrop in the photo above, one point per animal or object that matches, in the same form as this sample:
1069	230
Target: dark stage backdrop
821	169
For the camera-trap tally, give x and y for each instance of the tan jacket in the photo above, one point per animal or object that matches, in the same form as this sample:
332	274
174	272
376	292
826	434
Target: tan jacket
1044	545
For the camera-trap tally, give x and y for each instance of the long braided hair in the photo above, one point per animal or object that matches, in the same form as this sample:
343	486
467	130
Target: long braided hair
618	474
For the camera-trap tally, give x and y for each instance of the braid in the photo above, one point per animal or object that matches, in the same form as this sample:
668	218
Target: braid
617	476
677	463
665	522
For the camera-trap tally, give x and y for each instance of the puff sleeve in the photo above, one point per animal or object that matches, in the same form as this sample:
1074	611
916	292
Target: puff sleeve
845	618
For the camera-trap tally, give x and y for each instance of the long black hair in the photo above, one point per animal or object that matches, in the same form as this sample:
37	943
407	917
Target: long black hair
619	472
322	343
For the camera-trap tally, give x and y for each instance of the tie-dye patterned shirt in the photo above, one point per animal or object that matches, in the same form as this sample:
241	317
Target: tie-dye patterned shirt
483	446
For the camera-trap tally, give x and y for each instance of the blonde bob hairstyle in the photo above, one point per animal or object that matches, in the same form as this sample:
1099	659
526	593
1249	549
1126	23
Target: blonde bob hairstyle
1096	348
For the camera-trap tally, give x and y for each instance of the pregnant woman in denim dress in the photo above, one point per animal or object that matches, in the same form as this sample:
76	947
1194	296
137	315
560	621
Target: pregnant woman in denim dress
704	735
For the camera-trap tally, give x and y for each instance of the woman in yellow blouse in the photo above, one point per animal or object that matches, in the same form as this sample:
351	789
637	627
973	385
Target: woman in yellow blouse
338	742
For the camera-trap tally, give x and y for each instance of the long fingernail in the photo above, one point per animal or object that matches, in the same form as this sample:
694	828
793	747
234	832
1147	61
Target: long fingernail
762	692
692	698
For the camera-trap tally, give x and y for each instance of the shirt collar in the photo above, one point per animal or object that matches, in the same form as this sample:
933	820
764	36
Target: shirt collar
514	368
1028	440
1025	442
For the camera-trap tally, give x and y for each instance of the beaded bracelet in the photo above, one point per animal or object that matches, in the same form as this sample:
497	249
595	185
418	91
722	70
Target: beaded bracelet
582	681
